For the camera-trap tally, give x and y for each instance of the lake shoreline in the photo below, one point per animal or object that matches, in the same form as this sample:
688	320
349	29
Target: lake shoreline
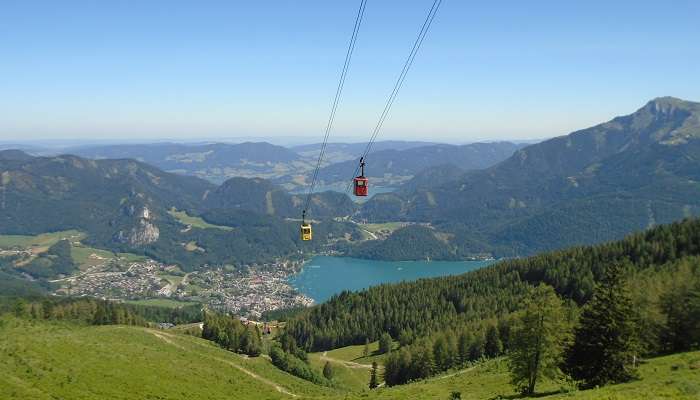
322	276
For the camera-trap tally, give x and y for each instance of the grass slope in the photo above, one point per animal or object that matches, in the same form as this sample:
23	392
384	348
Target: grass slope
672	377
39	242
195	222
52	360
40	360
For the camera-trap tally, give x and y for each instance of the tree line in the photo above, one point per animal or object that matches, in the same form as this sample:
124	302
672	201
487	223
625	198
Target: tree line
449	322
430	305
98	312
231	334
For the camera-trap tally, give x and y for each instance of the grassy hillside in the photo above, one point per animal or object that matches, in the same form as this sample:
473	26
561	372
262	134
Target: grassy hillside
52	360
671	377
66	361
591	186
38	243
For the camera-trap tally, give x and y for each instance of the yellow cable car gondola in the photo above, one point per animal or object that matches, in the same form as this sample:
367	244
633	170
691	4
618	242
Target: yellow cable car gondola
305	232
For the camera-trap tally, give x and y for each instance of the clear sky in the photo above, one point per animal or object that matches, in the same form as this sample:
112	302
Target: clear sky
215	69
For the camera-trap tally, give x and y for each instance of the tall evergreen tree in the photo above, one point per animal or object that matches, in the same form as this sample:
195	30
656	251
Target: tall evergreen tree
681	305
441	353
465	342
538	340
373	382
493	345
476	349
504	333
422	362
605	344
385	343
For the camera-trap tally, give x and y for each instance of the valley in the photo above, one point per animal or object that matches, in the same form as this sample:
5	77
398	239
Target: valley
251	290
443	200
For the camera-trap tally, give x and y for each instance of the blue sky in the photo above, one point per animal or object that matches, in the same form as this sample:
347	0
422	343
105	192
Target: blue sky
221	69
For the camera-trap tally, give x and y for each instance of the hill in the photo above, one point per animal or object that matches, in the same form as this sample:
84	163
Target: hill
50	360
45	194
391	167
213	161
62	360
656	258
593	185
126	206
263	197
349	151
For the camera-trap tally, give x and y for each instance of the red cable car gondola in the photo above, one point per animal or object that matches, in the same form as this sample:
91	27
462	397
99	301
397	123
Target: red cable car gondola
360	182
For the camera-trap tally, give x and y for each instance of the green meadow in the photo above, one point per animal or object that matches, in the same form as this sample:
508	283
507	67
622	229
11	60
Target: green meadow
59	360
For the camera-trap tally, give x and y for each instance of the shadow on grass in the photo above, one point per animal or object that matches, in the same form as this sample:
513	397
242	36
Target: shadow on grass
371	354
524	396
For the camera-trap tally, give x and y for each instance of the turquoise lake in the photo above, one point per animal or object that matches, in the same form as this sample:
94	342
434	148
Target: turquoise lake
322	276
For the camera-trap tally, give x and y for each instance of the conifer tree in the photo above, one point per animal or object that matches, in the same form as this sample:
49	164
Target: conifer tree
605	344
373	383
476	349
493	345
465	342
422	363
385	343
538	340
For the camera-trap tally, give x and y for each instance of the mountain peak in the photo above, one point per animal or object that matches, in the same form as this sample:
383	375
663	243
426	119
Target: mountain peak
668	104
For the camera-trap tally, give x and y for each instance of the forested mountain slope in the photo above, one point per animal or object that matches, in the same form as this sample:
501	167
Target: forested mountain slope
593	185
487	294
125	206
263	197
392	165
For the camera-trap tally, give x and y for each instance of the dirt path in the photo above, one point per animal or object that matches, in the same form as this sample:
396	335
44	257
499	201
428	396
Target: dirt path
162	336
456	373
349	364
168	339
374	237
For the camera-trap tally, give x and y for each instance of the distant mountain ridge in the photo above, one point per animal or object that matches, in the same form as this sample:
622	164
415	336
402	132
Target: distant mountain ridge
393	162
126	206
593	185
263	197
393	167
214	161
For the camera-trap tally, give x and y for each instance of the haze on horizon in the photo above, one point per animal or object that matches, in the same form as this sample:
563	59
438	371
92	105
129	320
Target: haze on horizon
199	71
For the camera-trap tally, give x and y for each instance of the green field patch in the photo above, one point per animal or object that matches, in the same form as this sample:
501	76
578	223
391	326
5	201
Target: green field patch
38	242
384	227
192	246
172	279
195	222
168	303
86	257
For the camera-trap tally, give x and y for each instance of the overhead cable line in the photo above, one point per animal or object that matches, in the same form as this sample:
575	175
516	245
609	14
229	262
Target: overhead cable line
336	101
399	83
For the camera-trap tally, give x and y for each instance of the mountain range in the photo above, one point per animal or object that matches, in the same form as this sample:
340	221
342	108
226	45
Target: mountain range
214	161
393	162
391	167
590	186
125	205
